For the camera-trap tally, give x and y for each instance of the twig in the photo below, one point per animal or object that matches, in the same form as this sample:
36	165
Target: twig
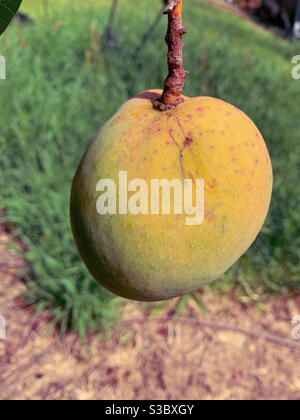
109	33
147	35
280	341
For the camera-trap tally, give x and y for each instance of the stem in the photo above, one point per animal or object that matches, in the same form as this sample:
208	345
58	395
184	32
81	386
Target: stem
174	83
110	36
112	13
147	35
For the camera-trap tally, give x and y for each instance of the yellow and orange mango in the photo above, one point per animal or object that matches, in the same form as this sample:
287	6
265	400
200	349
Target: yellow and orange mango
152	257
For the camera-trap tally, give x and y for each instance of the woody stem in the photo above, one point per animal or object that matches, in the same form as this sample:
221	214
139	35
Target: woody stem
174	83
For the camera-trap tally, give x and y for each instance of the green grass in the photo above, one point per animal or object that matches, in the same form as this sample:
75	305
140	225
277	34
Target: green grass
63	85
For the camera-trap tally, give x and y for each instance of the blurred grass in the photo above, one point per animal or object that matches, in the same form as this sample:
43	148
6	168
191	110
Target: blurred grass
63	84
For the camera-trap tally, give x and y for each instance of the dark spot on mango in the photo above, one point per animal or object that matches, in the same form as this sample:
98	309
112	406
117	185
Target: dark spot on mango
187	141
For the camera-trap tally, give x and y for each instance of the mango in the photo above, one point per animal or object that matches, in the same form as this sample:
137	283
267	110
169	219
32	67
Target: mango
151	257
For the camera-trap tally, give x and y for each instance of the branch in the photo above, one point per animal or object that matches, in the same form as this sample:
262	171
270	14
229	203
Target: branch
147	35
109	33
174	83
272	338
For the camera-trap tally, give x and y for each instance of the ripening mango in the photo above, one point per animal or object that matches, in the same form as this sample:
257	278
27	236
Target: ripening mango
134	248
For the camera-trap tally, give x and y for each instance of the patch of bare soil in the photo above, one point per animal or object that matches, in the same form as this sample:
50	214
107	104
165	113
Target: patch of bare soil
185	358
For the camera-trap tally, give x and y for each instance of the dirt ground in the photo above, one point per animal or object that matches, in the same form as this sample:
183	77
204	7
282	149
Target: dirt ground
149	358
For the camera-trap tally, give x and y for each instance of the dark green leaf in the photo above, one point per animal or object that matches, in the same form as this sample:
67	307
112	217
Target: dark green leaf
8	9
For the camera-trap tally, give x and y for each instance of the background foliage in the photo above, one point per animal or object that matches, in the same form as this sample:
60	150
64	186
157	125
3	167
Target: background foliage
64	83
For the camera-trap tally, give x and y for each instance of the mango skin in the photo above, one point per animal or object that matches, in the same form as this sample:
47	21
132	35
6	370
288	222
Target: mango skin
158	257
